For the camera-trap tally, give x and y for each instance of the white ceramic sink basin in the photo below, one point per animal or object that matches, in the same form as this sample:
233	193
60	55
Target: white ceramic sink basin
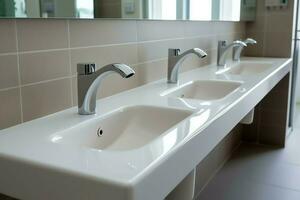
144	152
249	68
124	129
206	90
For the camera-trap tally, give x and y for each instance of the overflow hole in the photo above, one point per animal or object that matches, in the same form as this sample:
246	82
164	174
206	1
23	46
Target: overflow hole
99	132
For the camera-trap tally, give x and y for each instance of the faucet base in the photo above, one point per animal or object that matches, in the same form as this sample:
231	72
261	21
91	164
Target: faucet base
83	112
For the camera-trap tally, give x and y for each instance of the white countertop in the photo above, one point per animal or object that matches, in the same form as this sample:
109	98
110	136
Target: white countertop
133	171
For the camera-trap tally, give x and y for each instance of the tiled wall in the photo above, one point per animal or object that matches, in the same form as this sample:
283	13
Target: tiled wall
273	29
38	57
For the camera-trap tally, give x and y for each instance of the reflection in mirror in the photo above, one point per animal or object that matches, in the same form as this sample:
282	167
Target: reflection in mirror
225	10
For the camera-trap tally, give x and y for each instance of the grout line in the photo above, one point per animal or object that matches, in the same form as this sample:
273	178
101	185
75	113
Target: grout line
66	49
103	45
46	81
70	60
151	61
9	54
19	72
9	88
159	40
43	51
70	56
136	31
112	45
74	75
275	186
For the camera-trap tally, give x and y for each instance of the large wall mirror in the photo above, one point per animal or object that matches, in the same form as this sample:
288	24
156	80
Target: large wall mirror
223	10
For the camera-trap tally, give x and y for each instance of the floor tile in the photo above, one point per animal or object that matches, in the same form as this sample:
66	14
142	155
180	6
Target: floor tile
258	172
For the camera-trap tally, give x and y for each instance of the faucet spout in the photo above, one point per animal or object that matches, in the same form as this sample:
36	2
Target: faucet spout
236	56
89	81
198	52
175	60
223	50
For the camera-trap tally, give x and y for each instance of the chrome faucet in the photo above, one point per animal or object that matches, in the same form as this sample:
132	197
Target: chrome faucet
236	56
89	81
223	50
175	60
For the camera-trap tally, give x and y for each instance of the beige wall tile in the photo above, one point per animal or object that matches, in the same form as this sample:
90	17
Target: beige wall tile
35	67
279	23
192	62
260	8
274	100
158	30
273	118
271	135
199	28
148	51
10	114
269	23
278	44
228	37
46	98
211	56
257	49
240	35
40	34
202	42
152	71
257	26
228	27
104	55
8	71
101	32
8	36
240	27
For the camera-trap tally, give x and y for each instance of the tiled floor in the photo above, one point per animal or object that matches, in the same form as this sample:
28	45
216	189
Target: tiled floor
259	173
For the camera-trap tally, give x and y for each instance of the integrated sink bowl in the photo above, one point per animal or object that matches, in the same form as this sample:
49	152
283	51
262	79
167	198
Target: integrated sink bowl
249	68
206	90
124	129
64	158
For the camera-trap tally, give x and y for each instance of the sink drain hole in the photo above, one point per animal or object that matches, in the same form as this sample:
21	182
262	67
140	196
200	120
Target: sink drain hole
99	132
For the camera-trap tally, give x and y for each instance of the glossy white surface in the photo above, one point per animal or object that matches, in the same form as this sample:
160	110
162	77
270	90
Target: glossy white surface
124	129
138	172
249	68
206	90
